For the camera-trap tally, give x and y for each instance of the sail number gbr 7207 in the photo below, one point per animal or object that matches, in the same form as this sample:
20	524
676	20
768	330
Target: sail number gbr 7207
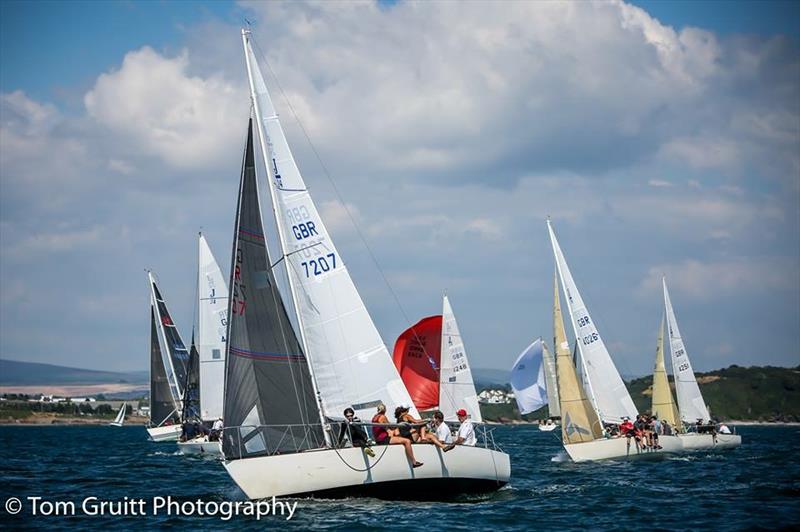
303	227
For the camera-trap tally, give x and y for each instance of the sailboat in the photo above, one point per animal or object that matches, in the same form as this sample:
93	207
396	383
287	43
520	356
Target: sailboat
285	386
603	399
120	419
432	361
533	382
208	357
168	370
691	406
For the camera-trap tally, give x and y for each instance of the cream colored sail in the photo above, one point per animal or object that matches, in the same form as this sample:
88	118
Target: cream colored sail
579	421
663	405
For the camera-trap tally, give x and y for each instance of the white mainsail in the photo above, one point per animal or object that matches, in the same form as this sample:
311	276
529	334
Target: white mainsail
551	380
212	313
528	379
690	401
609	395
456	387
351	364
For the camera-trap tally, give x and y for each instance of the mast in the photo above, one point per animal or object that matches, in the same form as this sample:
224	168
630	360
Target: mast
273	198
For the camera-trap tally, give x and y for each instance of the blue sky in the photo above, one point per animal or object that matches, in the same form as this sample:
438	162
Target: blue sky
660	139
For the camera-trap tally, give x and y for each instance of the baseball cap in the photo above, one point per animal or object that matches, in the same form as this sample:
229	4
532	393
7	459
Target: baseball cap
461	412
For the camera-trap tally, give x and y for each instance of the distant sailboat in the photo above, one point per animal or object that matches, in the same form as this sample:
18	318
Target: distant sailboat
432	361
120	419
609	401
168	370
207	360
532	381
691	405
284	385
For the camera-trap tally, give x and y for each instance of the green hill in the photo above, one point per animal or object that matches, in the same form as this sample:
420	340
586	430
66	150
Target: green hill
754	394
18	373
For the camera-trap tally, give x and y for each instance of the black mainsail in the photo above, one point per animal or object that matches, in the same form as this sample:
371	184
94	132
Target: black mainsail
191	388
269	400
162	404
178	355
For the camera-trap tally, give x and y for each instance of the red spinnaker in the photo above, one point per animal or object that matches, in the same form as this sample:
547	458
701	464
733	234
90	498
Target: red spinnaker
417	353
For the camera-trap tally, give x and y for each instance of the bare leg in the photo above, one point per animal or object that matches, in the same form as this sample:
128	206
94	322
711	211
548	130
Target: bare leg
406	443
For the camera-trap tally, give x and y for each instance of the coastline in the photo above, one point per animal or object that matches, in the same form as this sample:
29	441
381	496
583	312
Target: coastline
50	420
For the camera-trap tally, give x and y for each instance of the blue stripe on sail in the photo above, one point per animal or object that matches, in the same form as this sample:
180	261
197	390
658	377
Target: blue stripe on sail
251	233
265	356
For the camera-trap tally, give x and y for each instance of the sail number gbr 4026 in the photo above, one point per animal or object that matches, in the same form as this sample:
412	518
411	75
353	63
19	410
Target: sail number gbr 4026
587	338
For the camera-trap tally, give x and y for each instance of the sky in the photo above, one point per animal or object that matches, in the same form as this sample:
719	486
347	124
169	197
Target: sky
660	137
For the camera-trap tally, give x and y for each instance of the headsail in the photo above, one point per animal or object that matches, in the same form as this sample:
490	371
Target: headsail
663	405
162	403
175	357
611	397
351	364
212	322
579	421
528	379
550	380
417	357
690	401
456	388
269	399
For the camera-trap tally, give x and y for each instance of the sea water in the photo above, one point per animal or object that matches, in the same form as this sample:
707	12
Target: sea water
755	486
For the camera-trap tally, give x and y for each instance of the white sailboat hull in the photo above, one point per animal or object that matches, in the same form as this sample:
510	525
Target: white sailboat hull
620	448
115	424
200	446
164	433
343	472
698	442
548	428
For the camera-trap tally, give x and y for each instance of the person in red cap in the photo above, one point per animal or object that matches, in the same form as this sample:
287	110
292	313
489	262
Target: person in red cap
466	432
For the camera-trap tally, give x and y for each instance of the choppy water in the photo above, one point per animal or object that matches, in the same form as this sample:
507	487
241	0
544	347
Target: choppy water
756	486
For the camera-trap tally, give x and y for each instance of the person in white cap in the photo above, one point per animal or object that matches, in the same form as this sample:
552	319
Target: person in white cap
466	432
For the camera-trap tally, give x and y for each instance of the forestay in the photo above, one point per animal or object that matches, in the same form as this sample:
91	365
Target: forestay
269	400
456	388
528	379
690	401
351	364
611	397
212	314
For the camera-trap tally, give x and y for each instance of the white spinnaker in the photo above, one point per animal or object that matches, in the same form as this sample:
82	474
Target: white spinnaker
212	313
611	397
456	388
528	379
690	401
351	364
551	380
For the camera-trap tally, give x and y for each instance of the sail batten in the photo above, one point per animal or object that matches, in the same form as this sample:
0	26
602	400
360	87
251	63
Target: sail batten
608	391
351	365
691	405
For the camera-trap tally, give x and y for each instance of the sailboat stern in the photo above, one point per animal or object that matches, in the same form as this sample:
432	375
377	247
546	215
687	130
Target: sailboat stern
350	472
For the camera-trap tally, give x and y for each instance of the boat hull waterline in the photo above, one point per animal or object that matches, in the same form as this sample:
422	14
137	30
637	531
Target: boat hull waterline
699	442
349	471
200	446
621	448
164	433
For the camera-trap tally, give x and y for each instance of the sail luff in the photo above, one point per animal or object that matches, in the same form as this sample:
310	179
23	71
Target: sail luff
663	405
262	138
612	400
579	419
691	404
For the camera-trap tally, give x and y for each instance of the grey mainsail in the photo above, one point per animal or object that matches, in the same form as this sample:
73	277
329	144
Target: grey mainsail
175	347
191	388
269	400
162	405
